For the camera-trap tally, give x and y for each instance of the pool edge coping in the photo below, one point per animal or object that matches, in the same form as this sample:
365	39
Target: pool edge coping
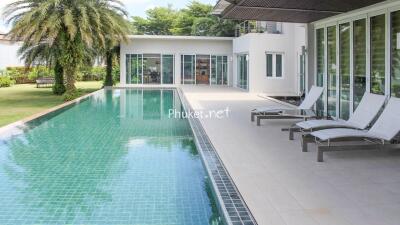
186	104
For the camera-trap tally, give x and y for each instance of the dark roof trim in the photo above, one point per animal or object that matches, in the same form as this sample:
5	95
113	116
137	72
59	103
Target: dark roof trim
300	11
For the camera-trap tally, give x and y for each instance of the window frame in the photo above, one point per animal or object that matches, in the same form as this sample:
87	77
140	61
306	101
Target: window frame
274	65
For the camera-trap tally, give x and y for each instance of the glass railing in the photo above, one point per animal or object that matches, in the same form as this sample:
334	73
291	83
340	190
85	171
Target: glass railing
251	26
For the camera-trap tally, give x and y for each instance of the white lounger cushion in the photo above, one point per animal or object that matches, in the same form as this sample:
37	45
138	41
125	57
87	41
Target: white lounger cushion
369	107
311	98
386	127
327	134
366	111
314	124
308	102
388	124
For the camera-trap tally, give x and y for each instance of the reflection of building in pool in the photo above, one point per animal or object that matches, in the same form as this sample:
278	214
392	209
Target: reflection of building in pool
151	110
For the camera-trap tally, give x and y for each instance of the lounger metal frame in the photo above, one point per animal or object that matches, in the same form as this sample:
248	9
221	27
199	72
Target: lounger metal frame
329	145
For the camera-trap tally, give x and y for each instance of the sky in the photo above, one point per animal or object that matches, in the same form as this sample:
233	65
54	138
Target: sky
134	7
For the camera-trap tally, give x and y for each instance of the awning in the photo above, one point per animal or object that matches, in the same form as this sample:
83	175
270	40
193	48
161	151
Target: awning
298	11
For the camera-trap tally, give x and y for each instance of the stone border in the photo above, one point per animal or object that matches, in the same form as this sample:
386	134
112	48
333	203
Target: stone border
231	203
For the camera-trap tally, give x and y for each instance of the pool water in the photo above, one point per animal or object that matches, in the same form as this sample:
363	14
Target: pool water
116	158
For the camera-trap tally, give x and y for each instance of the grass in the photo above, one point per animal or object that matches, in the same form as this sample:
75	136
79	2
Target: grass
23	100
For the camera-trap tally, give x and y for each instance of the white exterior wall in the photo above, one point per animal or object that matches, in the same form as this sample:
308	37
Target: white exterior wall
8	56
257	44
176	46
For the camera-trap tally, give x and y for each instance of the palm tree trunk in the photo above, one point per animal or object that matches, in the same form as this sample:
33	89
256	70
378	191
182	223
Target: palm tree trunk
109	60
69	73
59	87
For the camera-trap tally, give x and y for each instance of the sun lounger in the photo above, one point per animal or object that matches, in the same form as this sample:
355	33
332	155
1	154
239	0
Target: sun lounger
274	112
362	117
381	135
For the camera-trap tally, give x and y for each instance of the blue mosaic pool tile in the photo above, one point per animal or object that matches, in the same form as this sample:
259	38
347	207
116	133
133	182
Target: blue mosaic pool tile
116	158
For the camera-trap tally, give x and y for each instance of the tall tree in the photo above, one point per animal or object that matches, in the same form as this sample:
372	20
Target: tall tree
159	21
72	27
196	19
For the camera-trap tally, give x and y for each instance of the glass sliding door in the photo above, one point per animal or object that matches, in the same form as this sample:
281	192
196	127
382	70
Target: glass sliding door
344	75
134	70
168	69
331	70
320	39
213	70
188	63
219	70
302	70
395	54
243	69
151	68
225	70
359	60
203	69
378	38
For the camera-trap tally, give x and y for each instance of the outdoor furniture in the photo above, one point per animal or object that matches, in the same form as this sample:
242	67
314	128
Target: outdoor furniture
380	136
44	82
362	117
276	113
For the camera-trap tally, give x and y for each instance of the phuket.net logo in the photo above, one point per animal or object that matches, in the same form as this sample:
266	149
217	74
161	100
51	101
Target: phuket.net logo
199	114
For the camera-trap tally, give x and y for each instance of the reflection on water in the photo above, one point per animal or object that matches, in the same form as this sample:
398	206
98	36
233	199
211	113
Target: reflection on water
114	159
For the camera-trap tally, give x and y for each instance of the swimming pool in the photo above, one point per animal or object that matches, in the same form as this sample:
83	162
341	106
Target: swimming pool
115	158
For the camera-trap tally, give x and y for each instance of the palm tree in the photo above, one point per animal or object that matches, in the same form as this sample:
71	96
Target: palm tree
69	27
42	53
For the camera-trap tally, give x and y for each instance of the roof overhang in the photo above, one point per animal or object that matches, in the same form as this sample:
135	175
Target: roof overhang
297	11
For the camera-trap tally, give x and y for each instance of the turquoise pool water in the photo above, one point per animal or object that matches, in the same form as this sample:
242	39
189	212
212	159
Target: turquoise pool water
116	158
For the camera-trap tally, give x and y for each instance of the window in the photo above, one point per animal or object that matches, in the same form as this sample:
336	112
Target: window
274	62
395	54
378	38
331	75
269	65
360	60
278	65
344	71
243	69
134	64
320	67
168	69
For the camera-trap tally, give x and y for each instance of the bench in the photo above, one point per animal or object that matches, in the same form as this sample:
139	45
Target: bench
44	82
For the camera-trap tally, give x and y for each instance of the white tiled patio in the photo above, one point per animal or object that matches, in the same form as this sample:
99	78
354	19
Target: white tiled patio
281	184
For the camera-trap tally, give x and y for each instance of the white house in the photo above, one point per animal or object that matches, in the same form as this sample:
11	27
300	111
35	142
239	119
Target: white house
9	53
267	62
352	46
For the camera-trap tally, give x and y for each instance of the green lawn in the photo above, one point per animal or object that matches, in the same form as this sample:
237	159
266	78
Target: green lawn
23	100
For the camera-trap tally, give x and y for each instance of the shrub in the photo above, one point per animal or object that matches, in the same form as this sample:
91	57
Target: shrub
6	81
94	73
40	71
24	75
71	95
19	74
98	72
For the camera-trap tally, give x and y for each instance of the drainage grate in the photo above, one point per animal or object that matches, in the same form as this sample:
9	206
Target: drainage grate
231	202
